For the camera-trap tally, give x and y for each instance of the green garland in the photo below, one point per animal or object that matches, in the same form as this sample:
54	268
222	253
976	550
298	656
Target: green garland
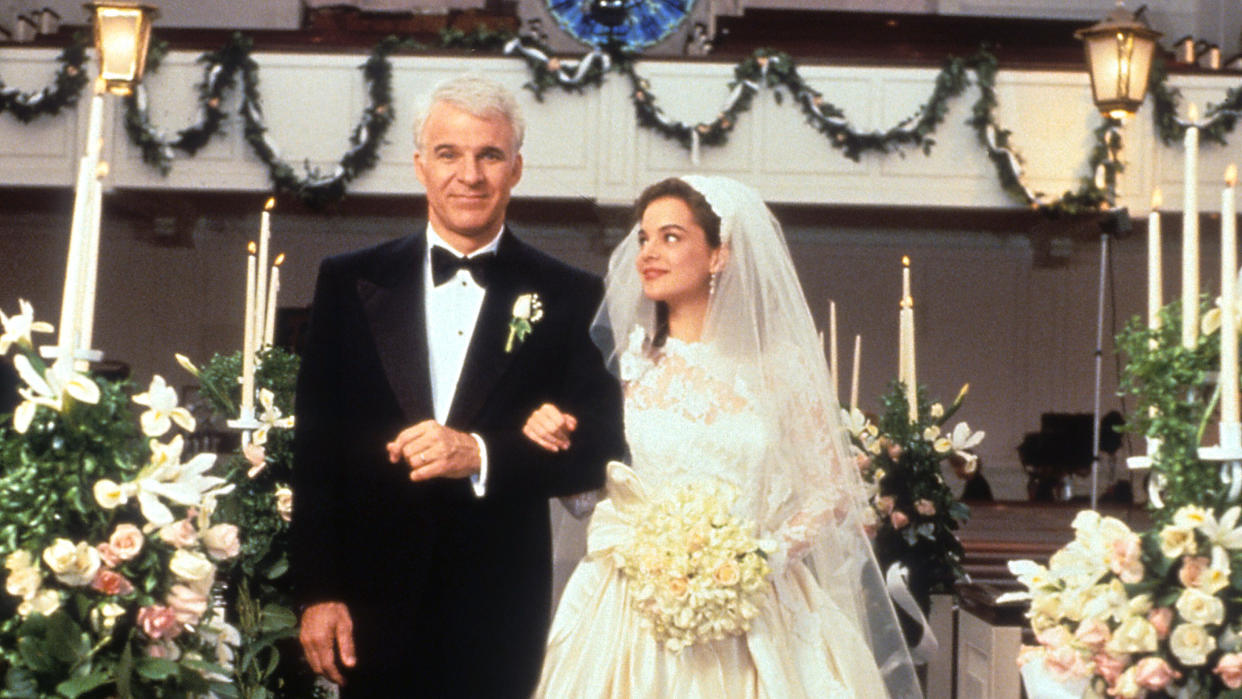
1218	120
64	91
764	68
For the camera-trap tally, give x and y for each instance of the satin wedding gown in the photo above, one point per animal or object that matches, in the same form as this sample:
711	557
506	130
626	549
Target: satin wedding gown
689	416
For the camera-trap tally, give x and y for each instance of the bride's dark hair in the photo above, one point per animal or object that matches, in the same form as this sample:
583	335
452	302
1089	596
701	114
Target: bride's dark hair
704	216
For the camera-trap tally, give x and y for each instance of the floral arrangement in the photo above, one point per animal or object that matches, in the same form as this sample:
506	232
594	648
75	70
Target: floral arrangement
131	567
696	572
112	543
913	512
1157	614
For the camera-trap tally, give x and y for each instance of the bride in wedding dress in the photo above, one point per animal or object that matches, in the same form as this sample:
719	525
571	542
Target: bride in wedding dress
725	387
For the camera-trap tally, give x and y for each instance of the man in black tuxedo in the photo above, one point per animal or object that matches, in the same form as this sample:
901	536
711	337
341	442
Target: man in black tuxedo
421	544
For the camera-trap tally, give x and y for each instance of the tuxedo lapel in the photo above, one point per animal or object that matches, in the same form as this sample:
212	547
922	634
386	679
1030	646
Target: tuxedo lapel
486	359
393	302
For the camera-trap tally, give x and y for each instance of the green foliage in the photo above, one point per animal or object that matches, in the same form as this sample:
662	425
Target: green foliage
916	511
1174	402
269	662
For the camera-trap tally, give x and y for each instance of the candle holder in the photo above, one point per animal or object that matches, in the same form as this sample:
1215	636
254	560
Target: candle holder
1229	454
246	421
84	355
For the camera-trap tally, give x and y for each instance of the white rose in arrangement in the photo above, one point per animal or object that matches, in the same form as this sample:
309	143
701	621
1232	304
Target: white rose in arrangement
1135	635
45	602
19	559
1127	686
222	541
103	617
72	564
1178	541
1200	608
193	568
284	503
24	582
1191	644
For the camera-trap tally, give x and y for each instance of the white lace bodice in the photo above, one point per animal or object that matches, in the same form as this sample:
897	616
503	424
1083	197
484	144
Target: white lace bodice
690	415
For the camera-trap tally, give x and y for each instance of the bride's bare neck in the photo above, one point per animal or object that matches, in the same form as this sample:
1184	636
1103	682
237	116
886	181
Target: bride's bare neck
685	320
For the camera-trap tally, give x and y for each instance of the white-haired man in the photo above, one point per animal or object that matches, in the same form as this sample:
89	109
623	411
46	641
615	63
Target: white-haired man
421	550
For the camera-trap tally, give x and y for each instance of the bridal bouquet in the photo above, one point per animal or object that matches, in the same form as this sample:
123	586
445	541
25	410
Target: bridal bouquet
1138	615
696	572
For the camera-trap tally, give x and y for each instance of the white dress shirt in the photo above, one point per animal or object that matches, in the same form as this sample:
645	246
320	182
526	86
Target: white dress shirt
452	310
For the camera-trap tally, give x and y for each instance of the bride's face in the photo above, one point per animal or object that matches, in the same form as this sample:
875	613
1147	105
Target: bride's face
675	261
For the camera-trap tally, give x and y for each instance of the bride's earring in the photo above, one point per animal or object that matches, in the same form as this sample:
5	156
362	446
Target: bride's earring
711	283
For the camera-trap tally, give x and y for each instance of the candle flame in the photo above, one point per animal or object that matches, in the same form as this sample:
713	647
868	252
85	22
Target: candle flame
279	259
252	248
905	260
1192	113
1156	198
1231	175
271	204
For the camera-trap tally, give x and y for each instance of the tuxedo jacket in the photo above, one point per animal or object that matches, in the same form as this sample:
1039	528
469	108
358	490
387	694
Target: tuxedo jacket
449	592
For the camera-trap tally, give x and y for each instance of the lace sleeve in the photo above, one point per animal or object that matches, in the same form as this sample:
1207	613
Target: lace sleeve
827	493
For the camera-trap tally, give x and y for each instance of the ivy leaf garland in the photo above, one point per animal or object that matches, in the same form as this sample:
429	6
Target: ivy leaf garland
64	91
763	68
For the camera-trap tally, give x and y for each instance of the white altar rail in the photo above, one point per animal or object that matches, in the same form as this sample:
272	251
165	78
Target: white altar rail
589	144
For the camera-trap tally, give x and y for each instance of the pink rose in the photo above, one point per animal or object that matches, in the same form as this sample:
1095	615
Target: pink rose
1094	633
1230	670
1124	558
111	582
1162	619
926	507
1154	673
863	460
126	541
222	542
108	555
159	622
885	504
1193	569
895	451
1065	662
180	534
899	519
187	604
256	454
1110	666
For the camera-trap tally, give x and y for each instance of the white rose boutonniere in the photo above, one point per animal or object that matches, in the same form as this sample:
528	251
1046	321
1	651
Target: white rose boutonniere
527	311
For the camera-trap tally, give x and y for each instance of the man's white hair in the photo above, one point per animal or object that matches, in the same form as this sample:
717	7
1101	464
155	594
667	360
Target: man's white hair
480	96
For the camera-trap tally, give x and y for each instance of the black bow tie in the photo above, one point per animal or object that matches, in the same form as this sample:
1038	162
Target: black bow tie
445	264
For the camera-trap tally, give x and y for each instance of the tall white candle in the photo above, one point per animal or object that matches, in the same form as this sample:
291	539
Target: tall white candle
907	335
1228	302
1190	233
854	373
832	350
247	390
273	288
265	239
90	262
1155	273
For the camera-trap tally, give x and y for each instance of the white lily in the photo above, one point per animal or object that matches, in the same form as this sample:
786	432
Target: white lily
18	328
270	417
854	420
49	389
162	409
1224	533
960	439
166	477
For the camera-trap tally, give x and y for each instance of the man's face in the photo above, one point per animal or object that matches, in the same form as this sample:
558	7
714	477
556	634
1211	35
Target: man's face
468	165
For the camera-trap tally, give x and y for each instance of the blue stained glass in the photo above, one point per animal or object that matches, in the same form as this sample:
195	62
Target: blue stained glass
643	22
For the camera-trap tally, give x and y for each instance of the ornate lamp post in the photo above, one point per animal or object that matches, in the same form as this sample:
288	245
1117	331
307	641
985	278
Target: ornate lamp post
122	35
1119	51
